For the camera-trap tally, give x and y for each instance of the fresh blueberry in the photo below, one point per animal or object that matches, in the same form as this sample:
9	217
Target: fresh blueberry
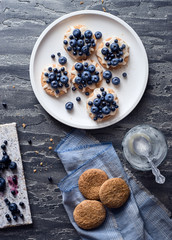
62	69
86	75
62	60
52	56
58	54
85	49
105	51
120	59
96	73
116	40
88	34
4	153
113	108
54	84
107	81
65	73
91	68
107	44
73	88
15	217
94	109
64	79
93	44
6	159
82	36
98	35
115	80
79	66
90	103
80	87
66	85
106	58
123	46
80	53
74	53
7	201
71	37
9	219
3	146
73	43
99	95
95	78
114	47
124	74
107	74
104	93
21	216
85	64
69	48
55	70
50	69
78	80
13	207
76	33
57	91
87	40
89	44
95	118
69	106
65	42
108	63
109	98
2	184
114	61
78	99
80	42
52	76
7	215
60	85
102	98
102	89
46	74
87	93
106	110
21	204
97	102
89	82
100	116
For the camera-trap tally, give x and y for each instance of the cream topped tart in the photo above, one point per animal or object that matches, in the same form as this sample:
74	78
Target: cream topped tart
102	104
55	80
79	42
86	76
113	52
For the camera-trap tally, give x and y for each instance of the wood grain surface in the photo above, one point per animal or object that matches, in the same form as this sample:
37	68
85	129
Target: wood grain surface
21	23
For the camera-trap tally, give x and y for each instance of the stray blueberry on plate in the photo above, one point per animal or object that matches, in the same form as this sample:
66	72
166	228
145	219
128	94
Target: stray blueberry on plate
7	215
4	105
13	165
50	179
52	56
69	106
58	54
62	60
78	99
107	74
115	80
124	74
7	201
98	35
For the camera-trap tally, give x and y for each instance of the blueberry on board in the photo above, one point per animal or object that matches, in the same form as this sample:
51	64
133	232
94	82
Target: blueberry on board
89	44
57	91
76	33
3	146
87	40
107	74
13	165
7	215
2	184
91	68
123	46
9	219
115	80
88	34
65	42
52	56
13	207
54	84
114	47
78	80
114	61
15	217
66	85
65	73
21	204
78	99
86	75
73	43
89	82
106	110
98	35
7	201
80	87
62	69
60	85
80	53
120	59
94	109
79	66
113	108
21	216
69	106
5	142
93	44
85	49
109	98
124	74
90	103
97	102
69	49
64	79
105	51
62	60
95	78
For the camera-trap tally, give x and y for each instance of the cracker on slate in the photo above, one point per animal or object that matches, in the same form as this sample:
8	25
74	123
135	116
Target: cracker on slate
8	132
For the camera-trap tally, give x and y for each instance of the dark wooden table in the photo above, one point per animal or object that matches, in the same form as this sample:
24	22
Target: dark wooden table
21	23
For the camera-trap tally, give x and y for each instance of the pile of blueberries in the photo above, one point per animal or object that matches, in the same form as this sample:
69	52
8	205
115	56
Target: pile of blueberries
13	208
57	78
80	43
103	104
113	53
87	75
5	162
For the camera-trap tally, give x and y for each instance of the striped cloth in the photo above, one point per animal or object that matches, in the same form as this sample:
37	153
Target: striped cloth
141	218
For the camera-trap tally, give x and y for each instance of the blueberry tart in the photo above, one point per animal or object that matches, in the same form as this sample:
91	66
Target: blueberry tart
79	42
113	52
55	80
102	104
86	76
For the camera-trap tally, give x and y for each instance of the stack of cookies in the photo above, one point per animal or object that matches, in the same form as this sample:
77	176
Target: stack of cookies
86	75
100	192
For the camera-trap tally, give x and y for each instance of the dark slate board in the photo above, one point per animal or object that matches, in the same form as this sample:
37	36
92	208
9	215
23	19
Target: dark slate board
21	23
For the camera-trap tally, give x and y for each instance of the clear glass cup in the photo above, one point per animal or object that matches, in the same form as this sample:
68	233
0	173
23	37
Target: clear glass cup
157	143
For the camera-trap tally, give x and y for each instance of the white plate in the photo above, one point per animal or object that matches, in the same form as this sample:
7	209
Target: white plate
130	90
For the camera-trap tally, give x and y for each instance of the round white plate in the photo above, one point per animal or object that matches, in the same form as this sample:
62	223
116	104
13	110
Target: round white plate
130	89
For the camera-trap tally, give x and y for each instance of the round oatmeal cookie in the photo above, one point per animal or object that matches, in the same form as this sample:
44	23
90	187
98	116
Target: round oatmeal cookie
89	214
102	104
114	192
86	76
90	182
55	80
113	53
79	42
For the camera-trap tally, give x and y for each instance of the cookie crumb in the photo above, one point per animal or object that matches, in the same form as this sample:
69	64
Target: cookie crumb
49	148
34	170
13	86
81	3
104	9
36	152
41	163
102	1
24	125
51	139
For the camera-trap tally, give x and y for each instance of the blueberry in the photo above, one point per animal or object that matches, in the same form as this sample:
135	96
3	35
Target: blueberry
80	53
6	160
46	74
123	46
107	74
69	105
74	53
115	80
69	49
55	70
54	84
89	82
52	56
13	192
88	34
64	79
120	59
71	37
50	69
73	88
3	146
66	85
79	66
95	118
104	93
58	74
107	81
100	116
86	75
91	68
65	73
62	60
7	215
94	109
57	91
85	49
114	103
124	74
105	51
113	108
52	76
50	179
80	87
13	207
98	35
82	36
78	99
116	40
87	40
97	102
65	42
58	54
4	105
79	74
15	217
76	33
106	110
9	219
93	44
114	47
21	204
108	63
95	78
85	64
60	85
21	216
62	69
4	153
80	42
99	95
7	201
90	103
106	58
87	93
109	98
2	184
89	44
78	80
114	61
102	89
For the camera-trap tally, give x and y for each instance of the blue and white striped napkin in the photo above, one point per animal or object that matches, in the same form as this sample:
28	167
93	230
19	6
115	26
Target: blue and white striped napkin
141	218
